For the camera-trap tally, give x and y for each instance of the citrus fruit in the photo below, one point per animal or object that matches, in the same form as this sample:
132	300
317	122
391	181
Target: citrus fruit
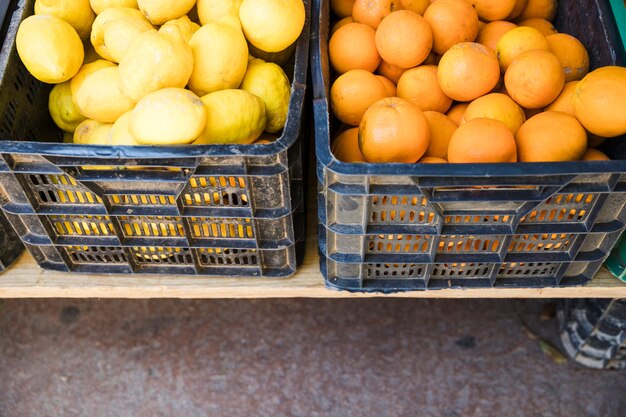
551	136
372	12
572	54
269	82
393	130
432	160
535	79
456	112
563	102
600	100
63	110
115	29
160	11
213	11
340	24
99	98
99	6
93	132
496	106
542	25
421	87
491	33
233	117
417	6
85	71
50	48
390	71
441	130
595	155
467	71
490	10
517	41
353	93
482	141
182	26
154	61
345	147
520	5
344	56
545	9
272	25
77	13
342	8
221	58
120	132
452	22
390	87
171	116
404	39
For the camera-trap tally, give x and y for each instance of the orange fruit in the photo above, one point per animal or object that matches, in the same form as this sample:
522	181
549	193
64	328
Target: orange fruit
535	79
467	71
600	101
496	106
572	54
490	10
520	5
482	141
563	102
404	39
341	23
545	9
452	22
390	71
352	93
432	160
342	8
456	112
517	41
491	33
346	146
441	130
393	130
417	6
551	136
421	87
542	25
390	87
595	155
372	12
344	56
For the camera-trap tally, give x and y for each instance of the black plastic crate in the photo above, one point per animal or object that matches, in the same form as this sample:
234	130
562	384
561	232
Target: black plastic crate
235	210
399	227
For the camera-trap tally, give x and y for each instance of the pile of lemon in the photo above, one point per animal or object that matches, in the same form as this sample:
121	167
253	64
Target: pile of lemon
161	72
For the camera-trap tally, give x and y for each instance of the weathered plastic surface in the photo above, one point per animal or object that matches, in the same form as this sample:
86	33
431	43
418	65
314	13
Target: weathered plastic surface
210	210
616	262
398	227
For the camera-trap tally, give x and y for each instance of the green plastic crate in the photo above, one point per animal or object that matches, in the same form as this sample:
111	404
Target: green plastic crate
619	11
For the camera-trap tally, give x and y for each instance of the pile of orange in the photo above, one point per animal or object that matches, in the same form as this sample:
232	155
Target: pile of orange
467	81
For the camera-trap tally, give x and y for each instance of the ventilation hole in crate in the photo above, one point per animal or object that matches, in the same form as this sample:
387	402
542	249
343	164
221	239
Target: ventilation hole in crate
399	244
400	209
528	269
219	228
228	257
217	191
151	226
394	271
470	244
462	270
563	208
462	219
96	254
82	225
141	200
548	242
161	255
60	189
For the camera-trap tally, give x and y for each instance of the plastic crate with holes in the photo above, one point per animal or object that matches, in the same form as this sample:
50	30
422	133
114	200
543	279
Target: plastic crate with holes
221	210
400	227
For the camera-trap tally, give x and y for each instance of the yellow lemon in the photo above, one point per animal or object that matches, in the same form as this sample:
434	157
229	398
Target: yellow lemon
120	133
160	11
93	132
62	108
77	13
99	6
212	11
172	116
49	48
85	71
221	58
280	58
155	61
233	117
272	25
182	26
269	82
115	29
98	96
90	53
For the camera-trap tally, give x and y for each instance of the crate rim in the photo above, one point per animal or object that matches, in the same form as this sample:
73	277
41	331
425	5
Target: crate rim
288	137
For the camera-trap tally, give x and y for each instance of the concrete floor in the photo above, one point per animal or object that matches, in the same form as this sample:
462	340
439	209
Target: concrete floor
290	358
